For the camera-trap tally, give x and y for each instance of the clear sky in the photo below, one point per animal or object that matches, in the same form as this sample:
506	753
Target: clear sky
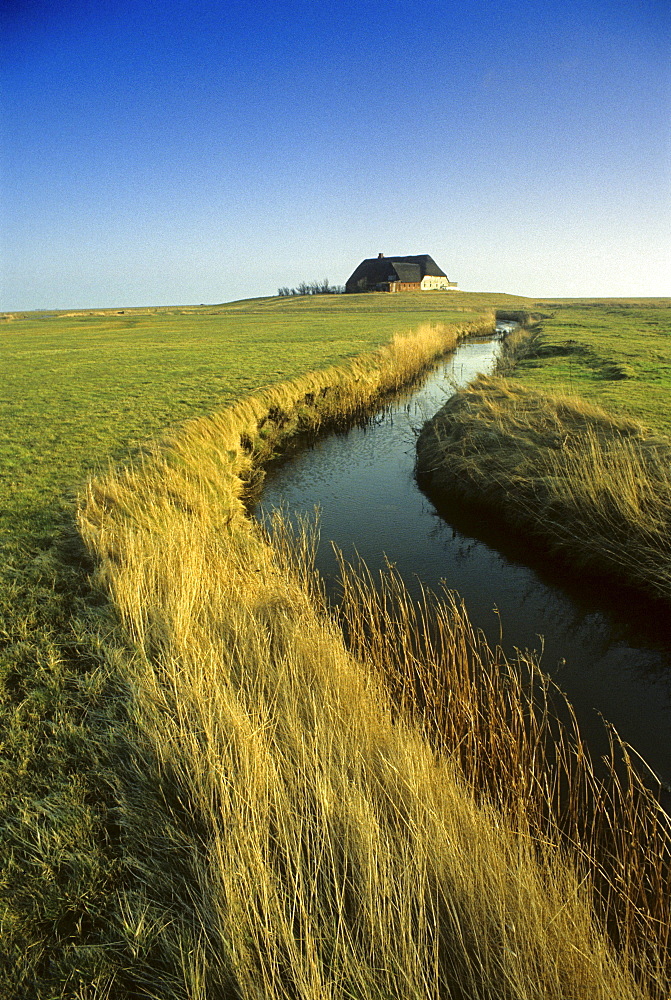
187	151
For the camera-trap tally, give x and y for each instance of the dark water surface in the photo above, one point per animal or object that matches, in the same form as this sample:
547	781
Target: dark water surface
609	654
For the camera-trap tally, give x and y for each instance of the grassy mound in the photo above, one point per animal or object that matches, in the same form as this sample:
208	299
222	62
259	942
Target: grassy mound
593	489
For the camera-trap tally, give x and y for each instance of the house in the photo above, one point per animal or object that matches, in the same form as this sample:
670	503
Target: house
398	274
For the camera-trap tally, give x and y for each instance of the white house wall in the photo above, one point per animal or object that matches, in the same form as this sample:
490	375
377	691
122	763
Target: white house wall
431	283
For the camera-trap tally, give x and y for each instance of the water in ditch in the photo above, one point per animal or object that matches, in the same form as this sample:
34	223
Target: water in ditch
608	653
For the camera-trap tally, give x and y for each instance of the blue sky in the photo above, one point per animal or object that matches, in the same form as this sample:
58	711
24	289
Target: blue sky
187	151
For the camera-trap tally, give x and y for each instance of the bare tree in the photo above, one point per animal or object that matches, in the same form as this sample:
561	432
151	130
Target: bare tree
323	287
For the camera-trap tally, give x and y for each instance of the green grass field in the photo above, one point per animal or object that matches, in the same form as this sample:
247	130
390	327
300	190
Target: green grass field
81	388
615	353
114	784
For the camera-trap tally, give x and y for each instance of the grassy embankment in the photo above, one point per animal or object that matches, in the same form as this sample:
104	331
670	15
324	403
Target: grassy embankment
216	797
576	450
79	390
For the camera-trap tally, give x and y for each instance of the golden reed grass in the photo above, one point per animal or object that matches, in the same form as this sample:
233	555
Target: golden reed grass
591	487
518	745
305	810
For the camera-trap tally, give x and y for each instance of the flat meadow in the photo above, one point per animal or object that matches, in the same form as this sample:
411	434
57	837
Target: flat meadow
213	786
615	353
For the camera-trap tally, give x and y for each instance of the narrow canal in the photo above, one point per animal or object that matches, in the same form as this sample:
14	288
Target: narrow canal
605	652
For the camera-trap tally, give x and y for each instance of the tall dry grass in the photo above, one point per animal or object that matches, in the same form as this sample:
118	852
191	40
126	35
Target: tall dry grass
591	487
518	746
298	818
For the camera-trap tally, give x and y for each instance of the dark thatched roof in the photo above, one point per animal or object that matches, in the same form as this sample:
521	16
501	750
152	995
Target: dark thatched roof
408	272
379	270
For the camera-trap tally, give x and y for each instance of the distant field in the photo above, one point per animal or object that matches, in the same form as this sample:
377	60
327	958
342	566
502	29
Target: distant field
82	387
615	353
85	386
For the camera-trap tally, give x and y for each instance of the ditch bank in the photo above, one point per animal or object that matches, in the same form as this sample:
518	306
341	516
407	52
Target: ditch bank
591	490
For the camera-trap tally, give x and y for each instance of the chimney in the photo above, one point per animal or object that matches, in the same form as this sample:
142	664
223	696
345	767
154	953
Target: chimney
380	256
